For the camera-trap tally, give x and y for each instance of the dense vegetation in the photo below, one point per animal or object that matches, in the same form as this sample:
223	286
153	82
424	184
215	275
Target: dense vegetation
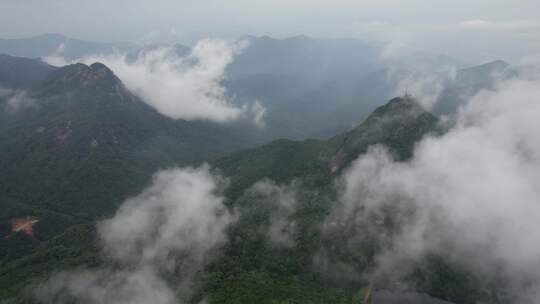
78	144
89	143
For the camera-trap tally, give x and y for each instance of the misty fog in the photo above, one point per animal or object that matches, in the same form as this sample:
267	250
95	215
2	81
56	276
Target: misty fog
270	152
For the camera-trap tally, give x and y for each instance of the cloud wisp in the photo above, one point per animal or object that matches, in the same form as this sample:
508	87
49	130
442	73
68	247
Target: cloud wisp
16	100
424	85
282	201
169	229
181	87
422	74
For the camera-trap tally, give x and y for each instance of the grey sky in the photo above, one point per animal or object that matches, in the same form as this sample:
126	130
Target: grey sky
471	29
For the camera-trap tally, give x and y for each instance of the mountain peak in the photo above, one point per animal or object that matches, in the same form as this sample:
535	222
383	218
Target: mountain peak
398	125
500	62
405	106
81	76
99	66
100	70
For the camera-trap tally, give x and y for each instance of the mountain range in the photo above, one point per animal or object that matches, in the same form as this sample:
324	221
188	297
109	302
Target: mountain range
76	143
82	143
333	83
311	162
88	143
51	44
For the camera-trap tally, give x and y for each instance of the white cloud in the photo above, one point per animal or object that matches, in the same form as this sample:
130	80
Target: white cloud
17	100
489	25
474	188
57	57
421	74
282	198
180	87
425	86
258	110
187	88
139	286
167	229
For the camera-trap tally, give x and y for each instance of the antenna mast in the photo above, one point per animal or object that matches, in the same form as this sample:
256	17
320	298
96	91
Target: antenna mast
407	95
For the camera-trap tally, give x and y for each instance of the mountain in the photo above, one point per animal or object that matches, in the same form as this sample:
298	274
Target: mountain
301	55
87	127
49	44
331	84
480	75
320	79
469	81
244	259
313	168
250	269
398	125
72	49
22	73
76	143
75	146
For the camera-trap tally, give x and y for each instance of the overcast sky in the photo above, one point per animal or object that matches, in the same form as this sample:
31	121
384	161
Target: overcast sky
475	30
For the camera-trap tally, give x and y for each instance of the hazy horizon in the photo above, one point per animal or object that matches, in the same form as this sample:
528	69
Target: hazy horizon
474	31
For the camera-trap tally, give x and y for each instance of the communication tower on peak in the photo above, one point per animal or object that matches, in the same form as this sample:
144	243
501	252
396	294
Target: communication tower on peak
407	95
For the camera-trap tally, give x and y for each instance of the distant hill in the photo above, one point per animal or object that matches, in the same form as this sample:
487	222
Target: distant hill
331	84
22	73
323	81
70	48
469	81
49	44
302	56
480	75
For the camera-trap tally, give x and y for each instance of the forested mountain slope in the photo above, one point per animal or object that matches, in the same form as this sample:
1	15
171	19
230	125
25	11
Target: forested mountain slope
78	143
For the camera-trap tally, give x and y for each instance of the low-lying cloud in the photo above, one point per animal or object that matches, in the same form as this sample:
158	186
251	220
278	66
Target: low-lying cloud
169	229
283	203
16	100
416	72
426	87
181	87
474	191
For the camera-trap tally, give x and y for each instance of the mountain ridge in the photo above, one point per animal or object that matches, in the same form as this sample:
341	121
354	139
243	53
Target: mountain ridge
88	143
245	258
22	72
80	76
